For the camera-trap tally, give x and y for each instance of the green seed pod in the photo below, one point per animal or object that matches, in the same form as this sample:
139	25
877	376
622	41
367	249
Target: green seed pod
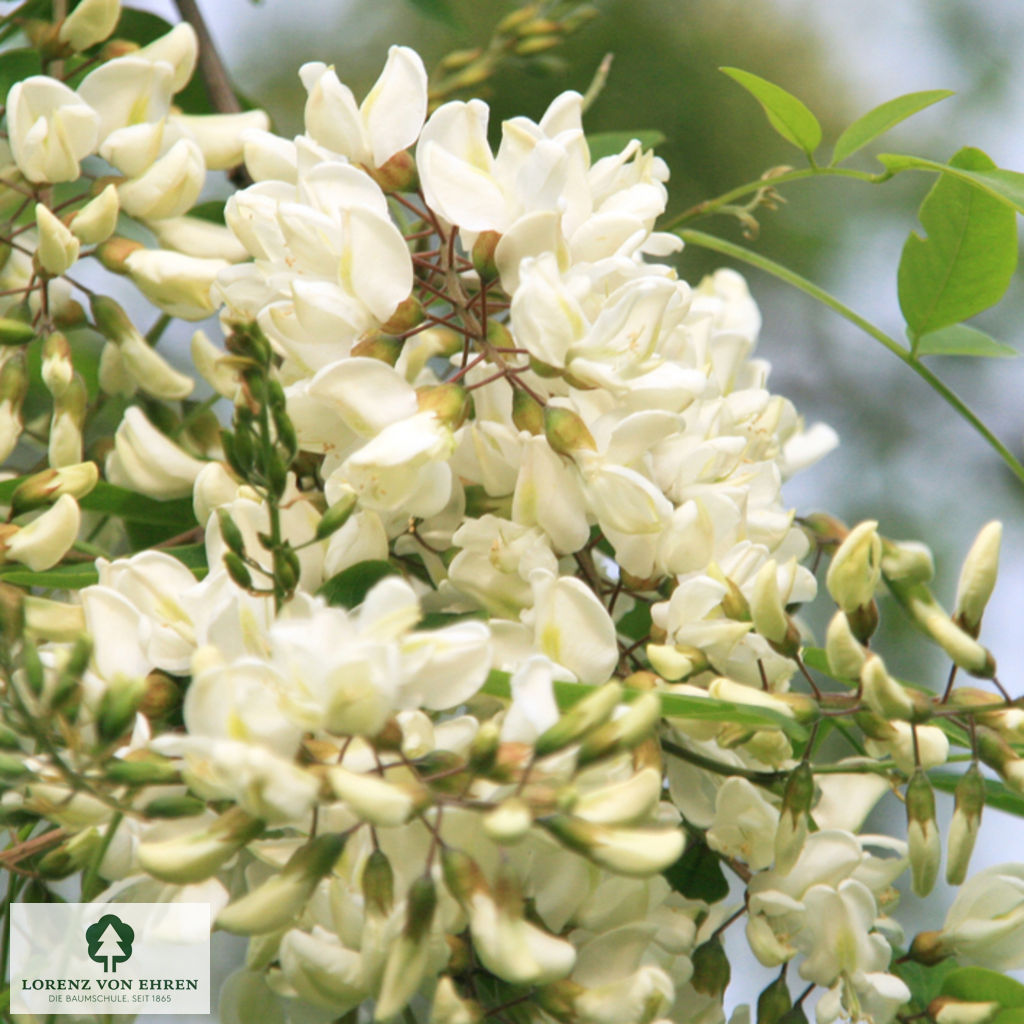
230	532
237	570
174	807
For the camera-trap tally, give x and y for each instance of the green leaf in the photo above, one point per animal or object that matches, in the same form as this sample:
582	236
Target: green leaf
350	586
636	623
1006	186
997	794
961	340
673	705
788	115
980	985
883	117
698	874
967	260
212	210
125	504
436	10
602	144
60	577
16	65
924	982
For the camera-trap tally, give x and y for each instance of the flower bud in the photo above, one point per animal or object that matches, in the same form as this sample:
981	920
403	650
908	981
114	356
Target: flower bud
450	403
907	560
845	654
148	369
407	959
95	222
118	707
58	247
928	616
142	773
230	532
177	806
46	540
187	859
923	839
273	905
14	333
711	970
796	805
622	802
113	253
450	1008
169	187
950	1010
527	412
769	614
509	822
175	283
46	487
64	445
581	718
376	345
336	516
624	732
963	829
57	367
397	174
407	315
376	800
626	851
978	578
676	661
89	23
856	568
566	432
237	570
483	257
378	884
883	694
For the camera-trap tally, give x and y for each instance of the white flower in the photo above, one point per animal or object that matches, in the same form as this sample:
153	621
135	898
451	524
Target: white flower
146	460
387	121
45	541
985	924
50	129
95	222
169	187
90	22
744	825
177	284
58	247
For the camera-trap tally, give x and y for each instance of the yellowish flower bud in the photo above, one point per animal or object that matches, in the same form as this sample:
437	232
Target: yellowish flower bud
64	445
450	1008
581	718
923	839
57	367
963	829
509	822
46	487
883	694
950	1010
856	568
274	904
375	799
845	654
89	23
566	432
95	222
907	560
46	540
407	959
626	851
978	577
58	247
187	859
624	732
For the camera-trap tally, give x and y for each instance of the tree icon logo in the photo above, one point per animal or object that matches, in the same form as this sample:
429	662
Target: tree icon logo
110	942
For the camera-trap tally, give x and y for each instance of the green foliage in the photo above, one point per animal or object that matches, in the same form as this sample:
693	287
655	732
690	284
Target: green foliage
16	65
437	10
788	115
997	794
979	984
961	340
968	258
698	874
602	144
879	120
350	586
1006	186
924	981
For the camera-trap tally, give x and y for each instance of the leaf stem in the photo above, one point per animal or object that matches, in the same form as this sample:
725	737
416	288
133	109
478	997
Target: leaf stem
707	207
769	266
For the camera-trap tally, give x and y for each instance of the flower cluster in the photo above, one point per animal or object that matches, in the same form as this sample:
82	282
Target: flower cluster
495	635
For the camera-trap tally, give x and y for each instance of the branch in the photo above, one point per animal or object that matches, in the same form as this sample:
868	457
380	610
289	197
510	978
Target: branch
215	77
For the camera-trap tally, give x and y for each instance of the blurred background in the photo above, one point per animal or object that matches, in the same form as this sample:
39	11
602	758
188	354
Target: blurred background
905	458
